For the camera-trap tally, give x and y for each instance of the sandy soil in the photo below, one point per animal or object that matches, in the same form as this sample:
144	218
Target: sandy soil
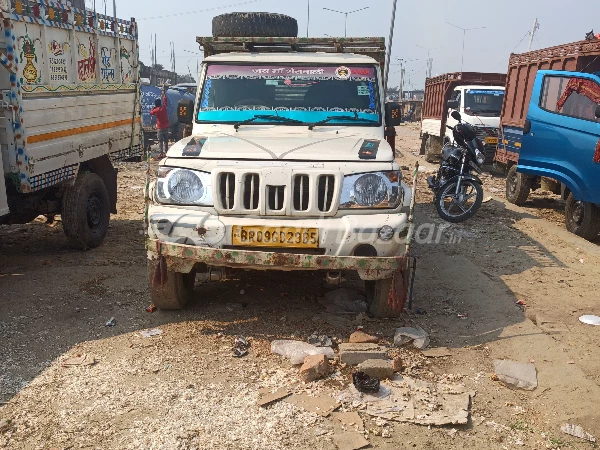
182	389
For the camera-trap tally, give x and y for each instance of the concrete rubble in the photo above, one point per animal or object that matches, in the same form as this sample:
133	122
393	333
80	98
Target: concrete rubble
314	367
516	374
417	336
380	369
353	354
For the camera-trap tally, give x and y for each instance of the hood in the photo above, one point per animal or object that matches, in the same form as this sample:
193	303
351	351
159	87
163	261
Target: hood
295	148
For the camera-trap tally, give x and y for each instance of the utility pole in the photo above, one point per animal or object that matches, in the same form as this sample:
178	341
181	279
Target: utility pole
307	16
536	26
429	60
351	12
464	30
389	49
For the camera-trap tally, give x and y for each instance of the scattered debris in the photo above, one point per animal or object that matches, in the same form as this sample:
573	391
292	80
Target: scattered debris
314	367
463	316
590	320
151	308
577	431
150	333
423	403
397	364
80	360
5	424
267	397
364	383
111	322
319	340
353	354
521	303
360	337
240	347
350	419
516	374
296	351
322	405
350	441
438	352
487	199
419	311
417	335
344	301
379	369
234	306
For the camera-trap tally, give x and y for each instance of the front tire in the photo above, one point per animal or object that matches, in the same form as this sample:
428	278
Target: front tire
175	293
518	187
456	210
582	218
86	211
378	295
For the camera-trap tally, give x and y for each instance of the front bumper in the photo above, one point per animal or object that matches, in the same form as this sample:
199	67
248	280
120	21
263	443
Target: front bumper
189	236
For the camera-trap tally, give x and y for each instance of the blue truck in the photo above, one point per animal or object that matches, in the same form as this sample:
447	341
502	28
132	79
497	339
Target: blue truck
550	130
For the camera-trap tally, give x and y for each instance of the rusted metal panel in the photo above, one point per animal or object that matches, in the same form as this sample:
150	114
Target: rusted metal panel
269	260
581	56
439	89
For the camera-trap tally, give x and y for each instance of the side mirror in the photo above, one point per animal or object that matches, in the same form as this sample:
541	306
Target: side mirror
453	104
185	111
393	116
456	115
598	111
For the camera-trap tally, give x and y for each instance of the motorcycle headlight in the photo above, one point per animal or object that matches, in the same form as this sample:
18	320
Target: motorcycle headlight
372	190
183	187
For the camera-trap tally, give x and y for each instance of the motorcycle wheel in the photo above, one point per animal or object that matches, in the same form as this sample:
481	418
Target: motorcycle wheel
455	209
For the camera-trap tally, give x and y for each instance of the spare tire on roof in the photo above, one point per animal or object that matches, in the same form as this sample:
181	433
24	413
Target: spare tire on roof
254	24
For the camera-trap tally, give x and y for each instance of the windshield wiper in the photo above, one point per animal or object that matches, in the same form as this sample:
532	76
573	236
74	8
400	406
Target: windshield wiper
354	118
266	116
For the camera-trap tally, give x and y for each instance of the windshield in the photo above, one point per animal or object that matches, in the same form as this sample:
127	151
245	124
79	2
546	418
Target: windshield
484	102
307	94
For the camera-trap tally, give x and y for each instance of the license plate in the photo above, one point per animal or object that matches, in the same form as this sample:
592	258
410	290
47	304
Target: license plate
491	140
291	237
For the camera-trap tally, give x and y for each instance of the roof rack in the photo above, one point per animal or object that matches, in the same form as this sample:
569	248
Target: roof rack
368	46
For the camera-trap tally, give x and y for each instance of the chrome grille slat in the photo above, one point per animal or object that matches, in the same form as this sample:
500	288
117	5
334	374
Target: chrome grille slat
251	192
301	192
326	188
227	190
275	195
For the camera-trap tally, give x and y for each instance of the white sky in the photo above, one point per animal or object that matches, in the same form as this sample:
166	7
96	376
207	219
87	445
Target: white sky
418	22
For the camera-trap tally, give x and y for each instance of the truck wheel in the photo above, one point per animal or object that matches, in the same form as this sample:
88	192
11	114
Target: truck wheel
378	295
430	153
518	187
175	293
86	211
582	218
255	24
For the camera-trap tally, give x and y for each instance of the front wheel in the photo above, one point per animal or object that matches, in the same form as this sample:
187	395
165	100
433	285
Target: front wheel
518	187
456	207
86	211
174	292
582	218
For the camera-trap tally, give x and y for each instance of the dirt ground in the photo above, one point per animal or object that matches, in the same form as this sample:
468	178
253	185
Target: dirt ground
182	389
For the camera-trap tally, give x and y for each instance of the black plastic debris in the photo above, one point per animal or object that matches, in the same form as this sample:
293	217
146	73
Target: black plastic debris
240	347
364	383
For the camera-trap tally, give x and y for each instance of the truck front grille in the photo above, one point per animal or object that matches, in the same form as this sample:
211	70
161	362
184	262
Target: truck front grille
326	190
276	197
227	190
301	192
251	191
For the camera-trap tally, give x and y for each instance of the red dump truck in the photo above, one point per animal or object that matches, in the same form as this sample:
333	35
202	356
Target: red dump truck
477	96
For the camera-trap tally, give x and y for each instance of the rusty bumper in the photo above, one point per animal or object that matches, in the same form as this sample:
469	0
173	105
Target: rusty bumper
183	258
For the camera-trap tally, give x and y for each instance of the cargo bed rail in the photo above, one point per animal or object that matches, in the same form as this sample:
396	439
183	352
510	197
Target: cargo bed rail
368	46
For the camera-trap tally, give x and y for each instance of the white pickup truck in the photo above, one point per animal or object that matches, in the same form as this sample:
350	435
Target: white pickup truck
69	108
287	168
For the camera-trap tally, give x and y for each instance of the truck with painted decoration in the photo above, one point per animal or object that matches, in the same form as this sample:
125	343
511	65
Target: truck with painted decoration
476	96
70	108
287	169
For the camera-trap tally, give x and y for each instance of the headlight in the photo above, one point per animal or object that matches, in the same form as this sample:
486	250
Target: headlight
480	158
372	190
183	187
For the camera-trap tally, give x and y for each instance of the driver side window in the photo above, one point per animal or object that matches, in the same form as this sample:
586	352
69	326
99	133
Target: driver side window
456	96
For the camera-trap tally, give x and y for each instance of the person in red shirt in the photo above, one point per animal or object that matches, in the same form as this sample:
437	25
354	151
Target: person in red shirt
162	122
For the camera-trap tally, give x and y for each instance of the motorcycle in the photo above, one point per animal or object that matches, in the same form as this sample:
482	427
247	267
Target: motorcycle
459	192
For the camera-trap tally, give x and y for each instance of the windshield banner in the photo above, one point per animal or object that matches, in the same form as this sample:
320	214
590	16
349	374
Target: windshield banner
292	72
